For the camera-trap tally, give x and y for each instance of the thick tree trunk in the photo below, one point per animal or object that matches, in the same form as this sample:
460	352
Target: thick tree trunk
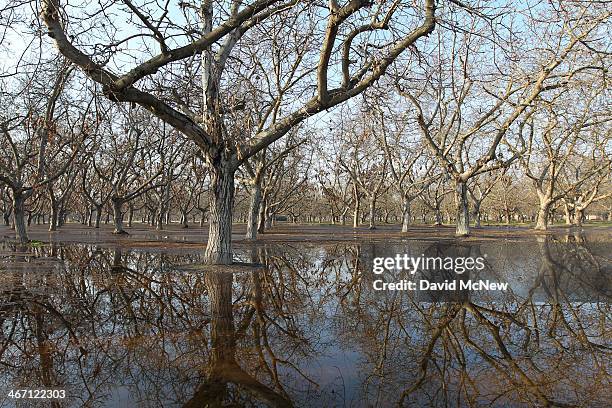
202	217
438	215
507	215
270	219
578	217
406	214
184	220
219	246
463	214
18	216
98	215
543	213
477	215
130	215
356	209
569	217
253	214
53	219
118	216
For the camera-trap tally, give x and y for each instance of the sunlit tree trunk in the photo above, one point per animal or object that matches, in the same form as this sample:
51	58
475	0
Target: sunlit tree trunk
406	214
578	217
261	219
219	246
543	214
357	206
372	212
253	214
53	219
463	214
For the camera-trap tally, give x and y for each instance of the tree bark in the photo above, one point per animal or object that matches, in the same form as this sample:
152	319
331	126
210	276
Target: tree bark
202	217
542	220
270	219
118	216
356	208
406	214
184	220
463	214
477	215
251	232
578	217
219	246
18	217
130	215
53	220
438	215
98	215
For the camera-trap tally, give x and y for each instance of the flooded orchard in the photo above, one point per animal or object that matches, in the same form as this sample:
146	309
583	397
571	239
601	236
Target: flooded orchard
122	325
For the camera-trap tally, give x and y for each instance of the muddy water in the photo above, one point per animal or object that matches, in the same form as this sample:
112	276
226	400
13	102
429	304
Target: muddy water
118	327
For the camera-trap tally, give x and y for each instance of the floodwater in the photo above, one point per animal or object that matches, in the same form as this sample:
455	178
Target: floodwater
145	327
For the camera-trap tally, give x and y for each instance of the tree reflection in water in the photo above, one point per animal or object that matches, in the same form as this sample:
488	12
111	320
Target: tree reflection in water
121	328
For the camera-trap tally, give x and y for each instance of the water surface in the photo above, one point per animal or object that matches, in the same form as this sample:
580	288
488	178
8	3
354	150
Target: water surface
120	327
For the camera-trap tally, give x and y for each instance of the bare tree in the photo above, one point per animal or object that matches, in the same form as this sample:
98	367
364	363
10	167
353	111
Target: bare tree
219	34
466	140
34	142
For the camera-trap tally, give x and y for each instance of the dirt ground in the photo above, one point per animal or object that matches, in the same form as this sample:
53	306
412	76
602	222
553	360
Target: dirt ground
174	236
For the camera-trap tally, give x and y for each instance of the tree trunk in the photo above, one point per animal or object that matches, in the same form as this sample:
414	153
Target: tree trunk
356	208
406	214
569	217
261	223
251	232
130	215
438	215
219	246
477	216
118	216
98	215
202	217
542	220
507	214
18	216
270	219
463	214
578	217
53	220
184	220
